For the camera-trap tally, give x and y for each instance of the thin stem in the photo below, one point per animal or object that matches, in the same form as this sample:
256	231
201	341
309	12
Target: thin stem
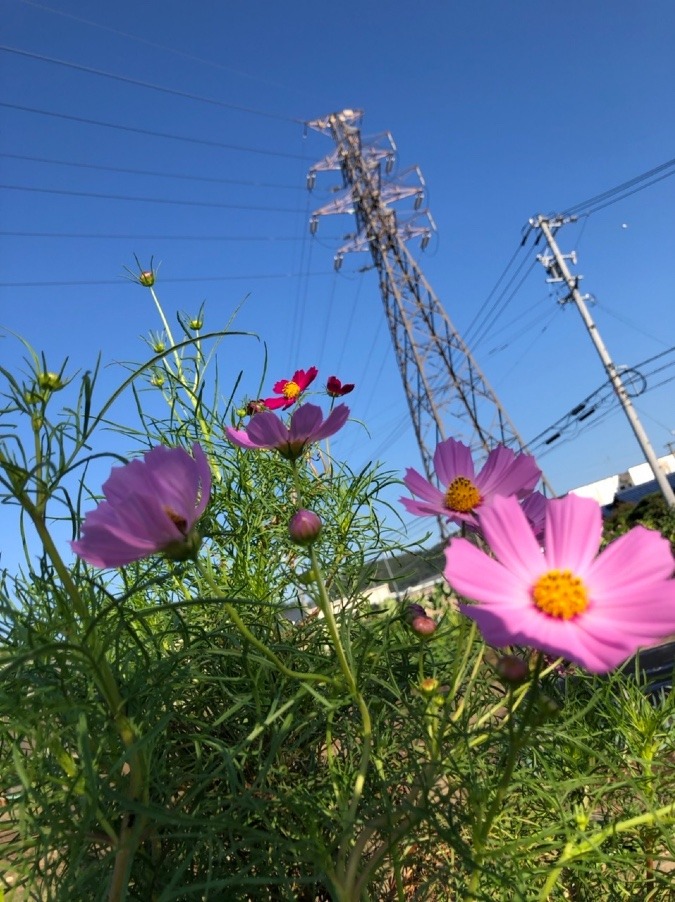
515	745
573	850
253	640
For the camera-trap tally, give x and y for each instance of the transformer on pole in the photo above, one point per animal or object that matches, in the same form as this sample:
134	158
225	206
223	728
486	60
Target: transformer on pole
446	391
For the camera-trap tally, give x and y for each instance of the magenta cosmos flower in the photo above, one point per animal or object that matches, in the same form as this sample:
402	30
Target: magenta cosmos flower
336	389
291	389
504	473
267	431
151	505
566	600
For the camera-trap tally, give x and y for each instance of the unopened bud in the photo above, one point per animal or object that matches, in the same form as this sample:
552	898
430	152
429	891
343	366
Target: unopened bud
412	611
196	324
512	670
50	382
147	278
423	626
254	407
429	686
304	527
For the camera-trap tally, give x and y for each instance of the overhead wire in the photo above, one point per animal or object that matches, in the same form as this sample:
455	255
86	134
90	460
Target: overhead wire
619	192
140	39
154	173
101	73
192	278
206	142
147	200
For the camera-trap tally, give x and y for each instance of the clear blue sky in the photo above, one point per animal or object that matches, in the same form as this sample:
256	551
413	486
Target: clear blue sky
509	109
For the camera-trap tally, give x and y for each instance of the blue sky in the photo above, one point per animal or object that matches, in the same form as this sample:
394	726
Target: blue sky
509	109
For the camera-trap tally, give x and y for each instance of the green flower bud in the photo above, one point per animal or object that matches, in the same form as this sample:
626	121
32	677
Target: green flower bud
50	382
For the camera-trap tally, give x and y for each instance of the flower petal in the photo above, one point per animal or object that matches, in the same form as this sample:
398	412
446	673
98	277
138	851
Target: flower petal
452	459
509	535
572	532
266	430
480	578
305	420
333	422
507	473
421	487
638	558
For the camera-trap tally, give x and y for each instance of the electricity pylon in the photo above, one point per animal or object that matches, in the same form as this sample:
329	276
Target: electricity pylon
446	391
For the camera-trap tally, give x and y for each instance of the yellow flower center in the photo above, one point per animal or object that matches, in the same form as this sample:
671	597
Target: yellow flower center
561	594
291	390
462	495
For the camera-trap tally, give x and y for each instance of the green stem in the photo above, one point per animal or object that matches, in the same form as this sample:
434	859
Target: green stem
516	738
253	640
573	850
107	685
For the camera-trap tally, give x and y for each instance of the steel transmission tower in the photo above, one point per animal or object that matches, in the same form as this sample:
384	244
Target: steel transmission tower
446	391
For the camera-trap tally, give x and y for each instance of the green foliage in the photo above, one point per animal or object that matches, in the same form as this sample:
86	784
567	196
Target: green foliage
167	732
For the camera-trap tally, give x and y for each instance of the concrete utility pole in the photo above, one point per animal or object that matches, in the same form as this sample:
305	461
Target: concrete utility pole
447	393
556	266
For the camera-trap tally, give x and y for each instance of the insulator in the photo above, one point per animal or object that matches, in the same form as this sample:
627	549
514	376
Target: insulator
311	179
586	415
425	241
337	262
389	165
418	200
313	225
552	438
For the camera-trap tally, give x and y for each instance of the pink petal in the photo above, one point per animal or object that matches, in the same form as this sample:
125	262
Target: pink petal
638	558
333	422
507	473
240	437
305	421
277	403
480	578
510	536
421	487
452	459
304	379
424	508
572	533
266	430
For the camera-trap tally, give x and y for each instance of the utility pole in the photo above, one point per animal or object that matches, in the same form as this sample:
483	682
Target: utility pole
446	391
556	265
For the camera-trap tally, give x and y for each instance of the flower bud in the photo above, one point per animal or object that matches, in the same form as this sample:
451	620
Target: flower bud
147	278
412	611
423	626
50	382
304	527
196	324
429	686
512	670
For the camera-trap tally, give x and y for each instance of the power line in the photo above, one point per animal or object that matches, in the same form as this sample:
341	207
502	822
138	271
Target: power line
147	200
89	70
619	192
172	175
139	237
153	134
142	40
120	281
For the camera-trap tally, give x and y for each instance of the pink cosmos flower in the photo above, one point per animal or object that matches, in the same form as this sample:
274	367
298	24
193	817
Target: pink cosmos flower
151	505
267	431
336	389
291	389
565	600
504	473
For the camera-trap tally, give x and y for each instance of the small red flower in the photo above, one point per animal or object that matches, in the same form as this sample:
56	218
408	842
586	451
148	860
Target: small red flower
336	389
291	389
